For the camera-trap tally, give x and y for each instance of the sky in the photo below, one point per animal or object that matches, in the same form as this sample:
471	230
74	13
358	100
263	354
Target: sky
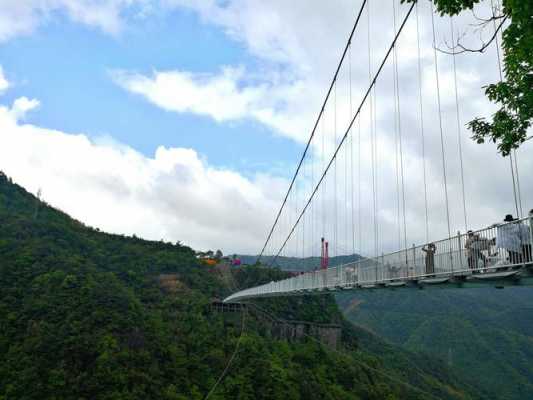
184	120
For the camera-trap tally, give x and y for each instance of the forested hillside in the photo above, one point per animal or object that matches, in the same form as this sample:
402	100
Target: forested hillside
296	263
89	315
486	335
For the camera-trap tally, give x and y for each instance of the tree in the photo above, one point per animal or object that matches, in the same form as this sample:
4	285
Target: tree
509	126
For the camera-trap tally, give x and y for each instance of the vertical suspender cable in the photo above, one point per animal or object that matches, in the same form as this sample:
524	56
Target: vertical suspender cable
351	151
440	124
323	186
376	160
521	214
296	238
335	236
313	205
396	160
501	80
422	124
374	122
359	236
459	128
346	219
395	62
372	144
303	222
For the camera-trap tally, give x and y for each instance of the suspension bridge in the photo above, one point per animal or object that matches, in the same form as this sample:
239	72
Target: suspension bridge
385	167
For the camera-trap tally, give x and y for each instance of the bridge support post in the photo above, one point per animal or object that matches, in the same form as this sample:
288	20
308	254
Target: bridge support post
414	260
459	241
530	223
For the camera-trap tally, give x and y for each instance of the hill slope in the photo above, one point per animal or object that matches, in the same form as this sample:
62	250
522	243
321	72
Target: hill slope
486	335
89	315
298	264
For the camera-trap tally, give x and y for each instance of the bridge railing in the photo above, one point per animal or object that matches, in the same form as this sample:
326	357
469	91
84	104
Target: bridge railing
497	247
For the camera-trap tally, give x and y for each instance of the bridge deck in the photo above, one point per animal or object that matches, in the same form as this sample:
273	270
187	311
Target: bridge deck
499	255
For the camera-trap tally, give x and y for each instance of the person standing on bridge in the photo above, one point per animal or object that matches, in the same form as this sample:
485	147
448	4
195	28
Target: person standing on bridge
526	237
508	237
430	250
475	245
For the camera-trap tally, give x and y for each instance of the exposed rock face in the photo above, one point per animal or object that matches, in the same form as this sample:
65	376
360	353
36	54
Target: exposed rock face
170	283
327	334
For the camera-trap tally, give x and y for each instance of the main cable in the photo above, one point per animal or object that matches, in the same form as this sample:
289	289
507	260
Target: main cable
314	127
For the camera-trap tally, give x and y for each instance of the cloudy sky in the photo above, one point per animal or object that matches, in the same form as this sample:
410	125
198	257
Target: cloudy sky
184	120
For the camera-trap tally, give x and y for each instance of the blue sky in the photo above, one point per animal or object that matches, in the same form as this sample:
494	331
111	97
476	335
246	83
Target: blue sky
68	67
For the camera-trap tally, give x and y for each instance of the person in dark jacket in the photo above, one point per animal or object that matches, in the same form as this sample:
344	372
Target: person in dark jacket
430	250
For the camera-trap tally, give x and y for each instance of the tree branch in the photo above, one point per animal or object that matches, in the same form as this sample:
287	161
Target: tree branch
463	49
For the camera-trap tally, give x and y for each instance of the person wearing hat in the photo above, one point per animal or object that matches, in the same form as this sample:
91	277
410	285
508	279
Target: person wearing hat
508	237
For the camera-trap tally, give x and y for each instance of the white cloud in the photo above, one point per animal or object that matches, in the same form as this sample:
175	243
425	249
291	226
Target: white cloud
227	96
22	105
4	84
22	17
174	195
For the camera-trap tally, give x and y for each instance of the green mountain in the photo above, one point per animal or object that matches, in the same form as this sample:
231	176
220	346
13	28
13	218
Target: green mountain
485	335
298	264
89	315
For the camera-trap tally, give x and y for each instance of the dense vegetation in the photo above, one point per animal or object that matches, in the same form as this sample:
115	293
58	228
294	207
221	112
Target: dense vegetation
89	315
486	335
298	264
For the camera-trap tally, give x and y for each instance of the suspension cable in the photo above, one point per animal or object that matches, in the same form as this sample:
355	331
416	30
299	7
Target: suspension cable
395	58
359	236
303	226
496	41
346	220
521	214
396	162
389	51
351	151
459	139
335	201
422	123
372	133
440	124
314	127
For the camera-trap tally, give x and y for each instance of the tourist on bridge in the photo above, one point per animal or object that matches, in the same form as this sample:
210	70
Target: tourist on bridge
509	237
474	246
430	250
526	237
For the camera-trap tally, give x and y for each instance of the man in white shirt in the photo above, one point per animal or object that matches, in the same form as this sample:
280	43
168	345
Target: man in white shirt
526	235
509	237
